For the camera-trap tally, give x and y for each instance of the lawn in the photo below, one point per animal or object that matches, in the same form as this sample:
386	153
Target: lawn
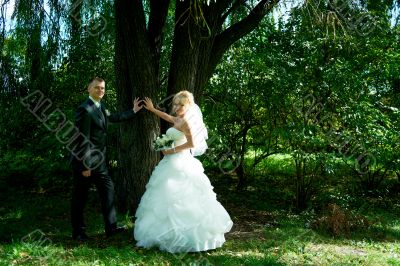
34	230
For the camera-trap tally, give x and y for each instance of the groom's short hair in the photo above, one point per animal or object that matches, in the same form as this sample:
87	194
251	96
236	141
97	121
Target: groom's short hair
97	79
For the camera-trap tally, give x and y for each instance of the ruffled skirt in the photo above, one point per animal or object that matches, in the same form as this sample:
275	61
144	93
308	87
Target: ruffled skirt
179	211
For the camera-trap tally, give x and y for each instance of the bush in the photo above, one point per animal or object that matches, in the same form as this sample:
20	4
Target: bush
24	169
17	168
338	222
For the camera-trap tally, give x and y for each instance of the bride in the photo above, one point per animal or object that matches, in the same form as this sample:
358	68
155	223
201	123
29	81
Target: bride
179	211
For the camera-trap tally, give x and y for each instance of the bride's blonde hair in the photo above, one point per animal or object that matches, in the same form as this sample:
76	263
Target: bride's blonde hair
184	97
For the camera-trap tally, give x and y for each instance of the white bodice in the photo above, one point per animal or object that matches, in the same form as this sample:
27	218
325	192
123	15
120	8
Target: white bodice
177	135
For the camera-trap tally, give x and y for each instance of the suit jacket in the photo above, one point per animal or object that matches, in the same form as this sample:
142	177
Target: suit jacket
89	148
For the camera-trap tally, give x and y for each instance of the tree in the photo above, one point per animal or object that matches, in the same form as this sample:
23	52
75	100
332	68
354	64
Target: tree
243	91
202	34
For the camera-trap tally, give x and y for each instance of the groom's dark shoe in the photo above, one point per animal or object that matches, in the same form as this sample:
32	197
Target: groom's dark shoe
115	230
80	236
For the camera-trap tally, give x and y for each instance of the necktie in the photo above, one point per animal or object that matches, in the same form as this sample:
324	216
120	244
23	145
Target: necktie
101	114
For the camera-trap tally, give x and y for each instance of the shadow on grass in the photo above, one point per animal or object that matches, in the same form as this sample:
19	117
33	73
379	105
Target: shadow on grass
38	224
31	215
24	213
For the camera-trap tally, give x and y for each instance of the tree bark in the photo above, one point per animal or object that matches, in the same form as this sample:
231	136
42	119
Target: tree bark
200	40
136	76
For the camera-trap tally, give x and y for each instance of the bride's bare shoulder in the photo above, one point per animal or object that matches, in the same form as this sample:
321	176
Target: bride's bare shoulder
180	123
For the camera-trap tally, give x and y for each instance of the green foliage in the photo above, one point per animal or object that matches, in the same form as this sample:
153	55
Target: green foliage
60	70
319	86
23	169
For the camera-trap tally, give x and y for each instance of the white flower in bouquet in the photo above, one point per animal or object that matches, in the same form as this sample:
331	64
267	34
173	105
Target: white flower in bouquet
163	143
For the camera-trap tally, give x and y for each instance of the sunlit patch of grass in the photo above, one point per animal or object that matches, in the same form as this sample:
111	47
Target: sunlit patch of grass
277	164
242	253
334	253
29	253
396	226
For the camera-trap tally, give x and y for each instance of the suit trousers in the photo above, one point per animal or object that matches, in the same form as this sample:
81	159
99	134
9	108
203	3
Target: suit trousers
105	188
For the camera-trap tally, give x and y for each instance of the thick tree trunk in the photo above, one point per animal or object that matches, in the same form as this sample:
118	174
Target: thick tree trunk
192	47
135	77
199	41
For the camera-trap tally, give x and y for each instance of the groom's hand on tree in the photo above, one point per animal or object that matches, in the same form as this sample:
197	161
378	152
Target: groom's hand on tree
86	173
136	105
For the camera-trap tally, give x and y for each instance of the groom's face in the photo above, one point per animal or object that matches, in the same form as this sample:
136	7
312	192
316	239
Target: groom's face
97	90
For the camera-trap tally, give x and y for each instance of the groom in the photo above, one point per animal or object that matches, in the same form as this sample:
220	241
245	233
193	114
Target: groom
89	162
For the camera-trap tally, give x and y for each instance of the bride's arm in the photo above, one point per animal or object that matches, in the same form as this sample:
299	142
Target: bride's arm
149	106
187	145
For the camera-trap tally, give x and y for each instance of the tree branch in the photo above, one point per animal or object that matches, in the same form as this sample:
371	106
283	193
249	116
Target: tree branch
263	156
246	25
233	8
225	39
132	44
158	16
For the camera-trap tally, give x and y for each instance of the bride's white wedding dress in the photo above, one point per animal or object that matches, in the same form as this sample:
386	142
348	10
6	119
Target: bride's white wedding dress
179	211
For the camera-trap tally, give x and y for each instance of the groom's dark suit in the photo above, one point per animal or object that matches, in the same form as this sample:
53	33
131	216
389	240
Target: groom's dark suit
89	152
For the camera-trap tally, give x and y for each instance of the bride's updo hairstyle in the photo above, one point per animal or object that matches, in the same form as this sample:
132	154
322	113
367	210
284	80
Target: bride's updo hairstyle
184	97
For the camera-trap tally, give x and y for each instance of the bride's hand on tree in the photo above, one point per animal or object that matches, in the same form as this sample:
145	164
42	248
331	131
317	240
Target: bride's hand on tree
148	104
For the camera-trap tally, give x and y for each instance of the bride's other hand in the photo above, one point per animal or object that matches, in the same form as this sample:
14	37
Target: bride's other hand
169	151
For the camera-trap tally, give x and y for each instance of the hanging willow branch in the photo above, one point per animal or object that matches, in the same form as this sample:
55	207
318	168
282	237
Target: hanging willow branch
3	20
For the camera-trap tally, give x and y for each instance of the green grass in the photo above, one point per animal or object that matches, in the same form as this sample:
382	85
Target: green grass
35	230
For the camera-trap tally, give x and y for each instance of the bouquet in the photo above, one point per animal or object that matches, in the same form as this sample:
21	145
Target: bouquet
163	142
